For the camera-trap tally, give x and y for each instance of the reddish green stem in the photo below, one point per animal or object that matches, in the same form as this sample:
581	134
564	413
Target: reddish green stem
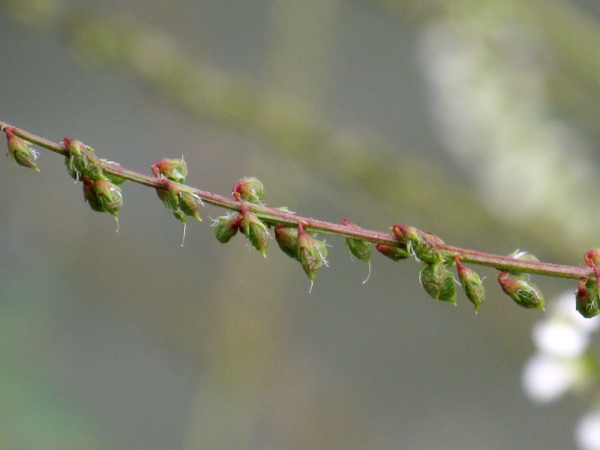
276	216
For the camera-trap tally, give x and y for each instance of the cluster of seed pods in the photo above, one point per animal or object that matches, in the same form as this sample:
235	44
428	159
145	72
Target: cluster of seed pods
102	192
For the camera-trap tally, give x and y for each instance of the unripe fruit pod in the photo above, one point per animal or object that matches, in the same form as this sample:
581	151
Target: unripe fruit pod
311	253
171	200
172	169
249	189
424	245
81	160
287	239
190	204
360	249
179	201
471	284
438	282
19	151
255	230
227	227
522	290
587	298
592	257
102	195
394	253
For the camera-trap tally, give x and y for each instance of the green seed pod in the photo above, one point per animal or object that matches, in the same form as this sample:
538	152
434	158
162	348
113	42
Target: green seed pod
403	233
89	195
171	200
102	195
287	239
424	245
311	253
249	189
360	249
19	151
179	201
255	230
587	303
522	290
81	160
110	196
471	284
227	227
394	253
438	282
592	257
190	204
172	169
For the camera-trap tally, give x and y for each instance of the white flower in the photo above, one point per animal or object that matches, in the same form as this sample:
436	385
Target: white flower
587	431
564	333
560	337
546	378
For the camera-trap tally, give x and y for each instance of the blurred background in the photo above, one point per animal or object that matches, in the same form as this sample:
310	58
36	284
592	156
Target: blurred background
475	120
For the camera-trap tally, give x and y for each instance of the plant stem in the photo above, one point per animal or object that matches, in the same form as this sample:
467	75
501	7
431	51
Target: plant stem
274	216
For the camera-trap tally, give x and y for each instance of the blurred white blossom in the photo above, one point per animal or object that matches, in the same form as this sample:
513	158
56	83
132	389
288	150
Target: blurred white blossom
587	432
546	378
561	338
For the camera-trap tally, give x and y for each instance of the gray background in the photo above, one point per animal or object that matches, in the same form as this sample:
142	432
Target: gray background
126	340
